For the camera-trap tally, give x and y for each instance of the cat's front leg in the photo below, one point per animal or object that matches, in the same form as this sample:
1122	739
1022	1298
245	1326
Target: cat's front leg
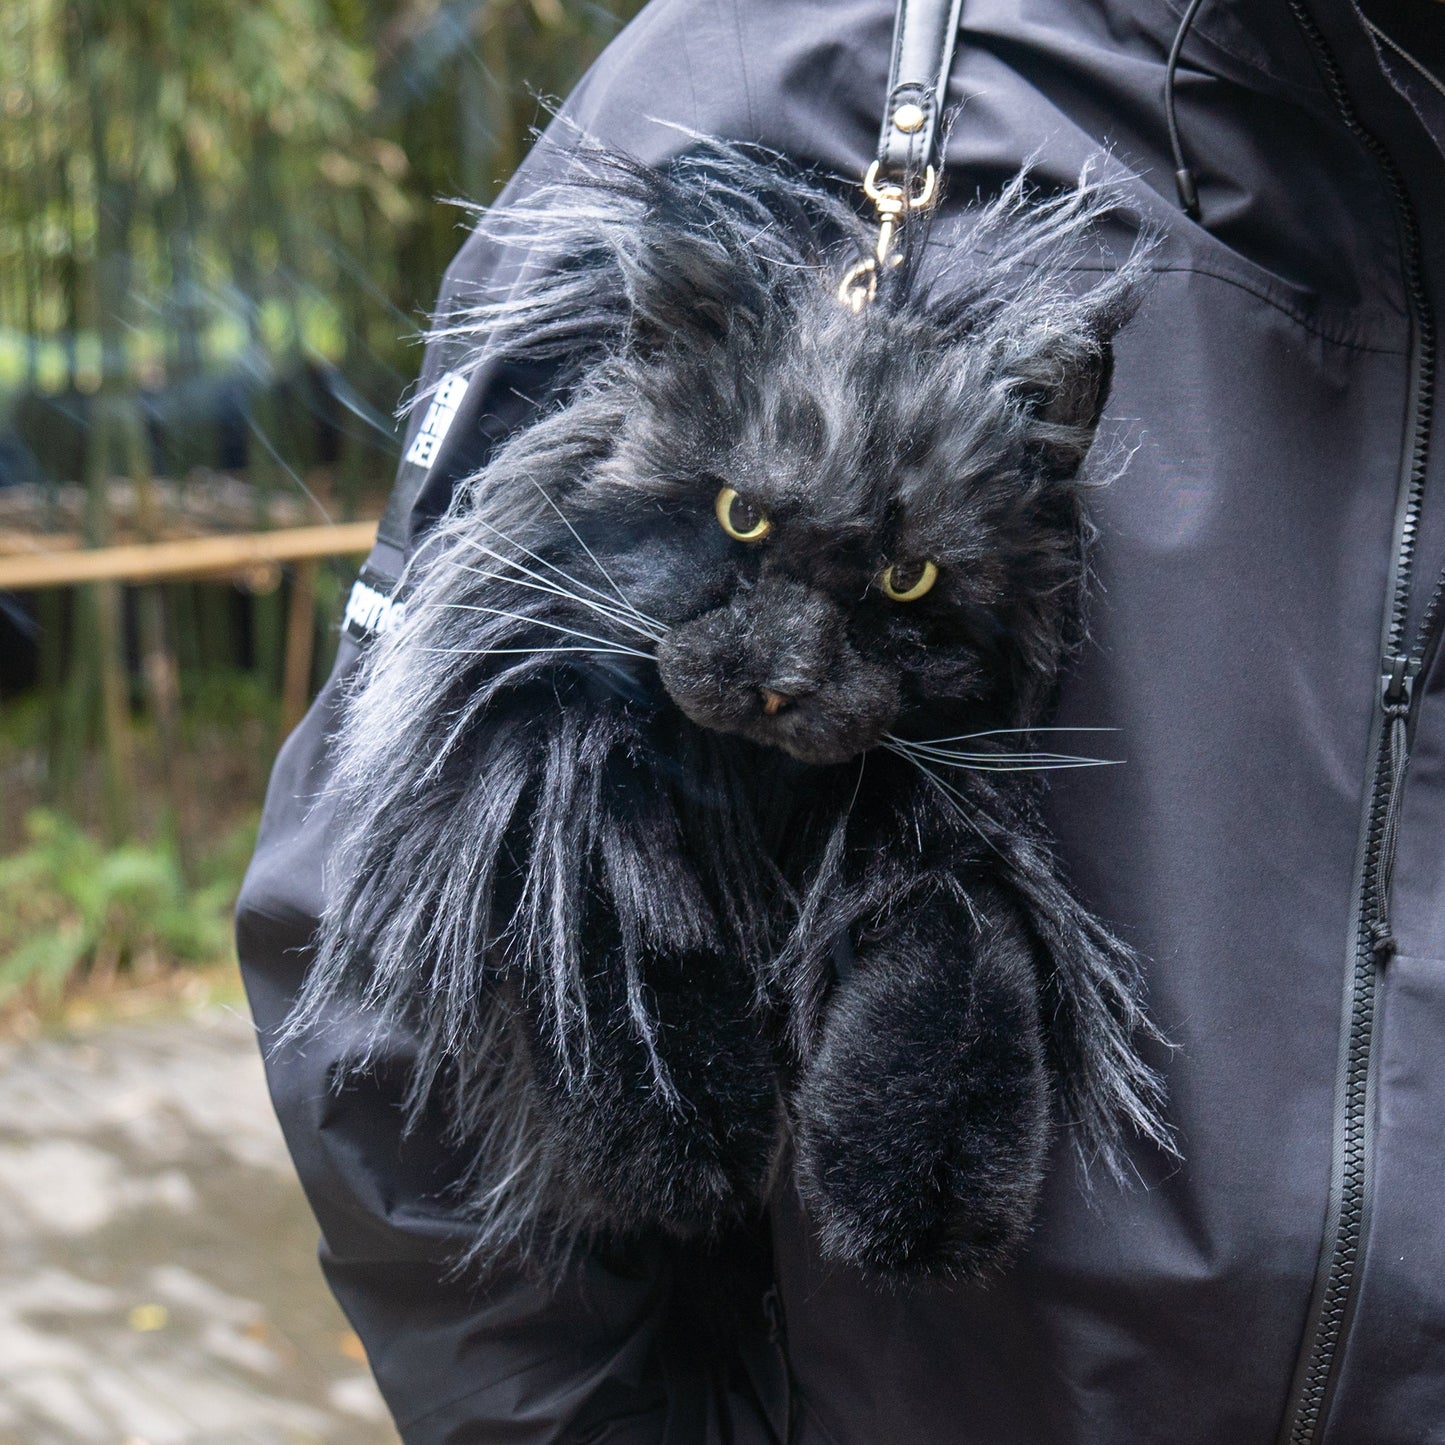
670	1119
922	1119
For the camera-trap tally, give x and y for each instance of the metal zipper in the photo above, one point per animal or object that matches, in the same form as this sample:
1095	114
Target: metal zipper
1374	943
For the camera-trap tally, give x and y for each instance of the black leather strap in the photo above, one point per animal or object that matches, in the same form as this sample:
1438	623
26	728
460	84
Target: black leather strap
924	32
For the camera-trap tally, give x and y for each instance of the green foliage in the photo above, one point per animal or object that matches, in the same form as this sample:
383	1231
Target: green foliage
227	701
209	212
228	163
69	905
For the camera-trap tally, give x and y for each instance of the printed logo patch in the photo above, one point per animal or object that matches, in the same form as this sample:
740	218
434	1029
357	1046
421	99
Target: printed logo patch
440	414
370	611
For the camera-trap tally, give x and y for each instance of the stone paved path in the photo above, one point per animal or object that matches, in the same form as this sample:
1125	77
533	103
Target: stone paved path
158	1283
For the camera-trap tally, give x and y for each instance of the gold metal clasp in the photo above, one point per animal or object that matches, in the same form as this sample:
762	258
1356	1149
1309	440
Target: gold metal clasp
891	204
859	284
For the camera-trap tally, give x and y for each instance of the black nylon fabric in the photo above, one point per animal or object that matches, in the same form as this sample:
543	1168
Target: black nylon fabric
1244	563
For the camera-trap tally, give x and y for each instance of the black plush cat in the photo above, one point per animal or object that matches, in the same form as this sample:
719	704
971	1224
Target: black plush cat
684	813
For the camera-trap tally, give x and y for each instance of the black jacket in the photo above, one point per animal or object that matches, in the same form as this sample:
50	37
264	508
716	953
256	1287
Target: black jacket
1272	546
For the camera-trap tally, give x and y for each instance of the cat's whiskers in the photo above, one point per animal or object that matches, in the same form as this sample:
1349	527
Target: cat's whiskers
527	551
606	642
950	794
546	497
596	600
531	651
553	567
981	767
995	761
931	746
604	610
1009	732
1005	765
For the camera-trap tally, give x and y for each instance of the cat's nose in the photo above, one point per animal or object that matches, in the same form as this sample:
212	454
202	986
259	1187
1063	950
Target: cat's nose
774	702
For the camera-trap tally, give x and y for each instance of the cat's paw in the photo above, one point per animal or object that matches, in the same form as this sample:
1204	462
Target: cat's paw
922	1122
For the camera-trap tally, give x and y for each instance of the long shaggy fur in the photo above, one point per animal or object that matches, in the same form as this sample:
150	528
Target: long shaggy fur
639	926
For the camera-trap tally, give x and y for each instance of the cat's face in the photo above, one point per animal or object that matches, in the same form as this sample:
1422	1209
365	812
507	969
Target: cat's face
838	535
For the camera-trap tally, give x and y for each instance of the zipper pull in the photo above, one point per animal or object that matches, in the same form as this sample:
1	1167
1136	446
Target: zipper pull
1397	695
1397	685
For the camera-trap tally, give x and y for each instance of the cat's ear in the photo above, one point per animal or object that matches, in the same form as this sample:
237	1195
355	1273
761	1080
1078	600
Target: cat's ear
686	288
1063	380
616	254
1058	279
1064	405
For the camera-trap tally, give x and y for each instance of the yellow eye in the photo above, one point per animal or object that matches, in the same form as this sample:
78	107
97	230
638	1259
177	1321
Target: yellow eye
739	518
907	581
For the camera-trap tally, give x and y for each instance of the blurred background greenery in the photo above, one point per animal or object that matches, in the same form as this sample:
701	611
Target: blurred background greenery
221	226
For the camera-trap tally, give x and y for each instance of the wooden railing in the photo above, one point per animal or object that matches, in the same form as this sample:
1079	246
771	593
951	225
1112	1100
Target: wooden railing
237	553
250	557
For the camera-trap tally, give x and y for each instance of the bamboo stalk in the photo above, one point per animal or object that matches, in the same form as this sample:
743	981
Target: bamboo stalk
76	713
116	743
183	614
300	645
216	627
162	685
